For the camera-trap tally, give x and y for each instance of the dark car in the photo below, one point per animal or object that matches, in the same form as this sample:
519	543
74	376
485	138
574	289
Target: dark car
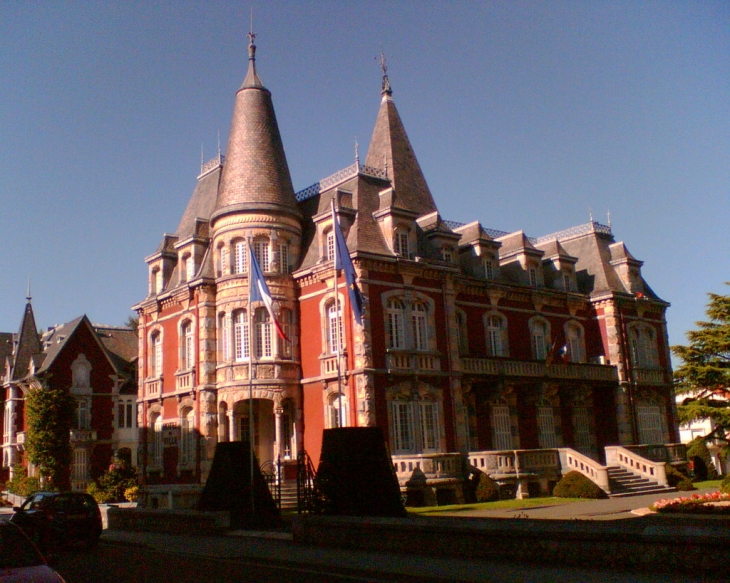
54	519
20	560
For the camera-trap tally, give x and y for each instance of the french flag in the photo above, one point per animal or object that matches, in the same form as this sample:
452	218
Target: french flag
258	291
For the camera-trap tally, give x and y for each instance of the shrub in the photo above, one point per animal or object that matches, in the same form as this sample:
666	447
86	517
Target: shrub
131	494
685	486
725	484
101	496
21	484
697	452
117	480
487	489
576	485
674	476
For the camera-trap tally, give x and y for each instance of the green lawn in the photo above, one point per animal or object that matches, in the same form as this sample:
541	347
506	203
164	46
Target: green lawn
708	484
514	504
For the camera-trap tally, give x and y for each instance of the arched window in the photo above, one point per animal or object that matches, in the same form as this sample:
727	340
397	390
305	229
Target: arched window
501	425
334	327
400	243
262	327
329	245
539	334
285	345
261	251
582	430
415	426
546	436
643	343
447	254
224	341
574	341
187	346
395	314
239	257
187	436
419	319
155	441
496	332
225	267
240	335
83	417
155	359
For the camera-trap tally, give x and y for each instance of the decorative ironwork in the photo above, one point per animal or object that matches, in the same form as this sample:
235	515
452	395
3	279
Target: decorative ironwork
591	227
271	472
338	178
212	164
306	494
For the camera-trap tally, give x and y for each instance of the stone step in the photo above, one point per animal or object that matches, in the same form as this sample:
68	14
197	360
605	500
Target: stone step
624	483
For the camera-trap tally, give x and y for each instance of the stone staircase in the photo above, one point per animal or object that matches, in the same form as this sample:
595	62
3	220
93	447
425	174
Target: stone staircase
625	483
288	495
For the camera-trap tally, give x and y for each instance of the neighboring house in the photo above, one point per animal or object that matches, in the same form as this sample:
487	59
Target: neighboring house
97	365
689	431
473	340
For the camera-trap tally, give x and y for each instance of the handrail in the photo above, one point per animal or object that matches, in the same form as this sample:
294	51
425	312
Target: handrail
306	496
590	468
637	464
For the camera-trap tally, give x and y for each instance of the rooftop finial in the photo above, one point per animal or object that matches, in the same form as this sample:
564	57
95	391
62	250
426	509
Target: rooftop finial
219	144
386	90
28	297
202	158
608	217
590	214
251	39
357	153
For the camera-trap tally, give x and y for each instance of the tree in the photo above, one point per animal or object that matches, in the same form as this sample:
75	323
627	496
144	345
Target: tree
50	414
704	376
133	323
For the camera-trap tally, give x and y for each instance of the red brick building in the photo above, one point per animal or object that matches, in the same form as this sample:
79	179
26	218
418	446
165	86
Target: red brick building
97	365
473	341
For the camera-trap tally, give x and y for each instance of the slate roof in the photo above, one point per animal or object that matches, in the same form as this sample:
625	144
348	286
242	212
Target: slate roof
27	344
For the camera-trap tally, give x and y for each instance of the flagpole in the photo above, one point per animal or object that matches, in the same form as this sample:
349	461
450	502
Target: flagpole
338	319
250	378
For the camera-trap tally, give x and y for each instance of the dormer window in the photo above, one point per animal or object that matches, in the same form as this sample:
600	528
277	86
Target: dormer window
156	282
329	245
189	267
488	266
447	255
533	277
566	282
400	244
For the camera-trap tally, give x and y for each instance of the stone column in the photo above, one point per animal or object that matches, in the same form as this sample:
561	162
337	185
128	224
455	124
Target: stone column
278	412
232	428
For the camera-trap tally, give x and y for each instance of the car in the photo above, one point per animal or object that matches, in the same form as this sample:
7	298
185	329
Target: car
20	560
56	519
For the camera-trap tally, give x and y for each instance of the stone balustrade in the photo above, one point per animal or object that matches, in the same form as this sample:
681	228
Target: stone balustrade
637	464
521	368
515	462
413	361
184	381
646	376
153	387
573	460
433	465
661	452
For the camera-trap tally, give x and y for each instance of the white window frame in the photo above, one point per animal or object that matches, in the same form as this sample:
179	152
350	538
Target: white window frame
240	263
419	321
335	338
187	436
284	258
241	349
546	431
262	328
501	426
496	332
261	251
395	317
415	426
401	243
187	346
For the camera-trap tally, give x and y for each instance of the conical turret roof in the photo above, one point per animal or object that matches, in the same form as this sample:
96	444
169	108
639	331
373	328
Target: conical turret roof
255	175
391	148
27	344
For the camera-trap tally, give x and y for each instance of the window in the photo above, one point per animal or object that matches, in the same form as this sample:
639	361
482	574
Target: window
462	336
81	372
533	276
539	342
262	327
187	436
650	424
643	347
284	258
285	321
329	251
187	346
80	468
574	340
155	442
546	425
501	426
566	282
447	255
225	261
155	364
395	315
82	414
415	426
337	410
420	326
125	415
400	243
239	257
244	424
224	324
488	266
495	333
334	328
189	267
156	282
240	335
261	251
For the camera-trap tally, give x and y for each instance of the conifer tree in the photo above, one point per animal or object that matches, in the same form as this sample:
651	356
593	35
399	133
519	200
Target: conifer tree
703	379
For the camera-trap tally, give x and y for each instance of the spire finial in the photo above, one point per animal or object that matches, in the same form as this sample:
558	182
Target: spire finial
202	158
28	297
590	214
357	153
386	90
608	217
219	144
251	39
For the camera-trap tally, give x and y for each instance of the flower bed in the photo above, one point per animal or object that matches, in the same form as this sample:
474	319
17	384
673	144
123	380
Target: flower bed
714	503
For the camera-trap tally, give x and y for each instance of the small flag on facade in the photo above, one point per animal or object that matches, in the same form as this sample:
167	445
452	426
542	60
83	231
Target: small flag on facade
258	291
343	262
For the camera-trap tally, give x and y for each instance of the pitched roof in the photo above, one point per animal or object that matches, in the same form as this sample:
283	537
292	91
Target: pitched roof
202	202
391	148
27	344
255	174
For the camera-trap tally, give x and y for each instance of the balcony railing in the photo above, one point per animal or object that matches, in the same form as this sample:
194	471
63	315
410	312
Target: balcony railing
515	462
522	368
662	452
329	365
414	361
184	381
433	465
153	388
646	376
83	435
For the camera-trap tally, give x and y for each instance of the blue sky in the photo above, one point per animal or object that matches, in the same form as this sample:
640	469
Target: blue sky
524	115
